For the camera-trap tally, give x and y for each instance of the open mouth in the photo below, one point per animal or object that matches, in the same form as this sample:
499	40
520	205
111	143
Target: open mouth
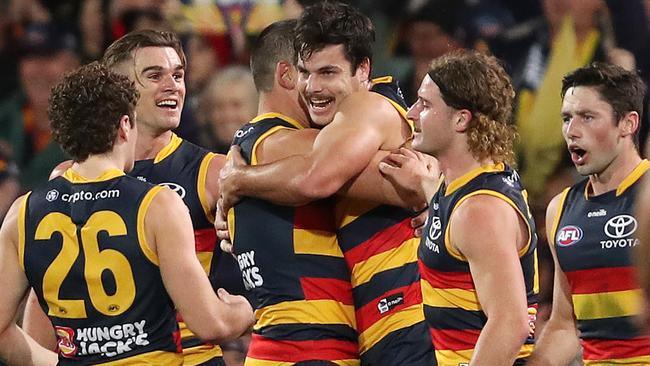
320	104
168	104
577	154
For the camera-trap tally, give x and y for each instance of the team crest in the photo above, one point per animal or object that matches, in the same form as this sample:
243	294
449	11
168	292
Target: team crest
65	341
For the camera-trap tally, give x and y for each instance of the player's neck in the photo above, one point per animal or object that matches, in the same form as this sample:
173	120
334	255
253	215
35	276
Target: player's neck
272	103
615	173
149	143
96	165
459	166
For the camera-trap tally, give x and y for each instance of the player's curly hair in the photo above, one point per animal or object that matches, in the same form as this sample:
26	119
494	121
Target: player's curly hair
85	108
334	23
477	82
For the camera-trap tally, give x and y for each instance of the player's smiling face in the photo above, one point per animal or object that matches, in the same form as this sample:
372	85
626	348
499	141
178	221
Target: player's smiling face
159	76
325	79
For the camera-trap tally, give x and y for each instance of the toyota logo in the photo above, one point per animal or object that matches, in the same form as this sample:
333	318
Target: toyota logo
620	226
175	187
435	229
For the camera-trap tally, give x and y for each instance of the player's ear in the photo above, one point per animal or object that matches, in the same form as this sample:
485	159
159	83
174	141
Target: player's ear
285	74
629	124
462	118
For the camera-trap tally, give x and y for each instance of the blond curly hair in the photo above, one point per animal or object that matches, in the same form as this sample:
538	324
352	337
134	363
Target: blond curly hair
477	82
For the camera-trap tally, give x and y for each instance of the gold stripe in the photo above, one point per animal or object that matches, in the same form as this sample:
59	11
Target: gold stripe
74	177
281	116
526	350
142	213
200	186
465	178
230	218
449	357
149	358
262	138
316	242
200	354
349	209
206	259
607	304
396	321
21	230
449	297
558	214
640	169
255	362
406	253
382	80
536	274
455	252
640	360
305	312
173	144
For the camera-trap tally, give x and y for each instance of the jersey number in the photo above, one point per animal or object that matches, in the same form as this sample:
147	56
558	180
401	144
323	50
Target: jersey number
96	262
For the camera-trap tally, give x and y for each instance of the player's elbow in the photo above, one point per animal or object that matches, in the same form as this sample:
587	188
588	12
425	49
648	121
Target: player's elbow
217	331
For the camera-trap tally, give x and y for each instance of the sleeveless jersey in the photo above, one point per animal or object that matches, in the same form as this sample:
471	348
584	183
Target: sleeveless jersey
183	166
380	249
294	268
83	248
594	237
451	305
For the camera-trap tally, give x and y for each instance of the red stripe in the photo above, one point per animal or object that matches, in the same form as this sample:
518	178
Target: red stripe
606	349
317	215
369	314
383	241
439	279
262	348
205	239
316	288
454	339
598	280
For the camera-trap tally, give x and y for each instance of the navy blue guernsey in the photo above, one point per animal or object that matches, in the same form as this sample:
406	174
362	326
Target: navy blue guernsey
451	306
183	167
293	266
83	248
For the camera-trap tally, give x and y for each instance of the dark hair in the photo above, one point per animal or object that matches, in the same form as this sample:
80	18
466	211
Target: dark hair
85	108
334	23
623	90
273	45
477	82
122	49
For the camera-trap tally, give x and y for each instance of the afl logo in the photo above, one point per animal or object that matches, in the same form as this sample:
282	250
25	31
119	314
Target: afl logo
435	229
175	187
620	226
569	235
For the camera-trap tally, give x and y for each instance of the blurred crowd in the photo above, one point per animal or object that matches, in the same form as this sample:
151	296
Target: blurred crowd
538	40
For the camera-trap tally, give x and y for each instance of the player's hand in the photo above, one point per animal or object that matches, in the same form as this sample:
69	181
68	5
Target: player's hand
221	227
228	178
420	219
237	301
412	173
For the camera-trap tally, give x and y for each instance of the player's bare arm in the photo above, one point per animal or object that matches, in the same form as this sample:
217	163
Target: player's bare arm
169	233
488	232
558	343
16	347
341	151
